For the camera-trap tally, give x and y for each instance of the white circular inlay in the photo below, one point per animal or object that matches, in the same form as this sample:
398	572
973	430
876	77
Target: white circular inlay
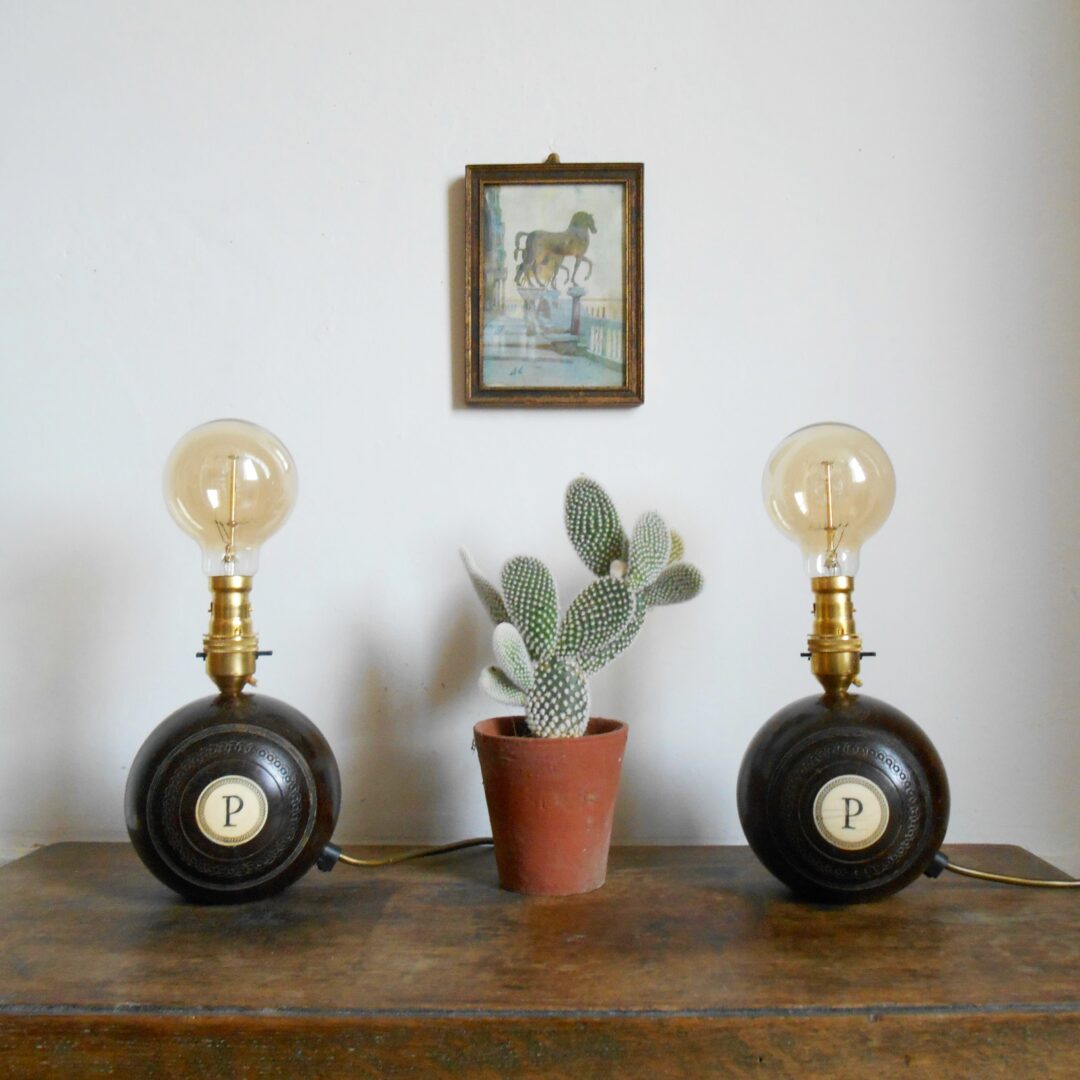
851	812
231	810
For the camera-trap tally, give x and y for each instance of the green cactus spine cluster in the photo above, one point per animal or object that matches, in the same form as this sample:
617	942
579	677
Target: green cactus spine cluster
544	659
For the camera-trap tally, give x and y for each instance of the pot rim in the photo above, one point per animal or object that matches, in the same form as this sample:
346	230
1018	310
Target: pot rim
482	730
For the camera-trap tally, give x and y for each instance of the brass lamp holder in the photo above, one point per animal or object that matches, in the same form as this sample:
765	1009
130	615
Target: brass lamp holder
834	648
231	646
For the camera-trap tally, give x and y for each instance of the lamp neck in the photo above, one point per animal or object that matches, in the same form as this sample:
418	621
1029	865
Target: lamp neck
834	646
231	644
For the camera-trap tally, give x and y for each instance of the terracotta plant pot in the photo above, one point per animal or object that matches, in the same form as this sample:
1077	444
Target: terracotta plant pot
551	803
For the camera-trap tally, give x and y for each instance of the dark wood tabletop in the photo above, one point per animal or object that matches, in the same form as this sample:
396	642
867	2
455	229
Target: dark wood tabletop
691	962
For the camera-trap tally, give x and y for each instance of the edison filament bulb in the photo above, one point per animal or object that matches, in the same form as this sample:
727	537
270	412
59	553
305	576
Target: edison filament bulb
829	488
230	485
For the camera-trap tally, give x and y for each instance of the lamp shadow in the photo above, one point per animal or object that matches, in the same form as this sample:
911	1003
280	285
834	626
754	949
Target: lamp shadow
647	794
458	662
397	786
390	787
54	639
641	791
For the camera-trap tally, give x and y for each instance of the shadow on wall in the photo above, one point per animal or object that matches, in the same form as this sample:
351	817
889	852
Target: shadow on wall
459	662
651	807
455	283
395	786
53	713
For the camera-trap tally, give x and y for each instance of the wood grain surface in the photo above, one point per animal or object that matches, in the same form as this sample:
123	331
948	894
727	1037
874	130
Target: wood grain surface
689	962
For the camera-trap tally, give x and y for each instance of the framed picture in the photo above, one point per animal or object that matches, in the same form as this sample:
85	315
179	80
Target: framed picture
553	284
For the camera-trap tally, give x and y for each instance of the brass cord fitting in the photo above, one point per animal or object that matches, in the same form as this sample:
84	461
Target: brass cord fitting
834	646
231	644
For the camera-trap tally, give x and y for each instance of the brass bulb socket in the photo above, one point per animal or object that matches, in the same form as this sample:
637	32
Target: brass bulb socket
231	644
834	646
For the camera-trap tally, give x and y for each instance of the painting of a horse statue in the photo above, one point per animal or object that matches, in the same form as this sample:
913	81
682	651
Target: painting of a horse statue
541	257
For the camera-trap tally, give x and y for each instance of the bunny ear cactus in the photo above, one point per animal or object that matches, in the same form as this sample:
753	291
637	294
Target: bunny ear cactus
545	660
551	683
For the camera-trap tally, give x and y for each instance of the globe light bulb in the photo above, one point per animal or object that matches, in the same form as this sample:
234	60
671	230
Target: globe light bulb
230	485
829	487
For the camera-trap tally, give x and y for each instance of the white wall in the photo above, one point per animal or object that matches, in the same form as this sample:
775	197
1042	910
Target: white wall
857	211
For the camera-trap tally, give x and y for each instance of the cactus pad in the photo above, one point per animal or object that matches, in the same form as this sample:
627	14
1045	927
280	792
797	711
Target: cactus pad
678	583
558	705
513	656
594	617
532	602
494	683
598	658
678	548
593	525
489	595
650	546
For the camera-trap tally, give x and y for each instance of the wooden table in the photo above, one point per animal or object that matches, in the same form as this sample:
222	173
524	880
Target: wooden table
690	962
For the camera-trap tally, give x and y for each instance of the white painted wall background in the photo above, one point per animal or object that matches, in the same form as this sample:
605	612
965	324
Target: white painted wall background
860	211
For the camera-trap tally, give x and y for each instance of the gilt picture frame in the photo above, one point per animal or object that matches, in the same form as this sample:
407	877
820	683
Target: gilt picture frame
554	284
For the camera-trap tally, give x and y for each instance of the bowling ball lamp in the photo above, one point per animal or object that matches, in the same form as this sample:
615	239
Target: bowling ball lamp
842	796
235	796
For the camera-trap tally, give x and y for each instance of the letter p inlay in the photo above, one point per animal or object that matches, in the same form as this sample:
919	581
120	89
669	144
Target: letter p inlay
851	812
231	810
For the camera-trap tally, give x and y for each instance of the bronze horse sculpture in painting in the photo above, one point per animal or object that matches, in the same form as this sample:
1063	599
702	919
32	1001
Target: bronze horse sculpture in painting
542	256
